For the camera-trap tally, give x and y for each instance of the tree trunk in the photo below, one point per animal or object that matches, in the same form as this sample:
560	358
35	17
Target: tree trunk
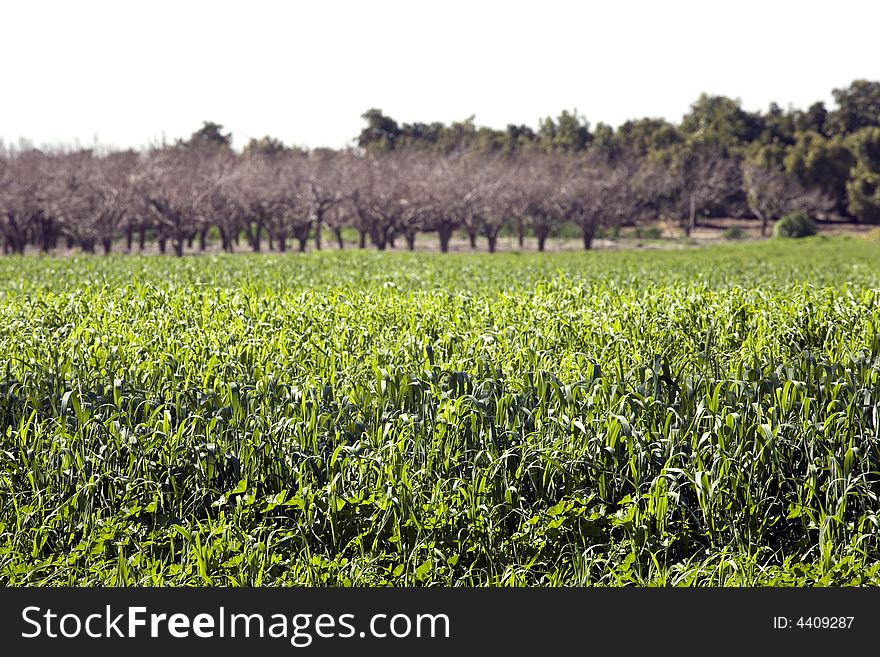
338	233
129	239
224	239
282	242
362	240
588	232
521	233
302	243
142	239
692	217
472	236
162	244
410	240
177	243
47	234
444	233
541	233
47	239
107	243
318	236
493	240
203	239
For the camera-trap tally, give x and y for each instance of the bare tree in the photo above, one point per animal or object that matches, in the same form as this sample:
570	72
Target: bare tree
90	196
480	179
380	197
772	192
297	203
449	197
540	177
341	182
693	182
174	186
178	194
595	193
261	190
417	204
13	227
326	171
336	219
24	192
502	199
218	207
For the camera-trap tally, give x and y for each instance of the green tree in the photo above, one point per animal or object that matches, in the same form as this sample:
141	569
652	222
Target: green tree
518	138
265	146
210	134
643	137
488	140
769	155
569	133
458	135
604	142
858	106
813	119
863	186
422	136
381	133
722	119
778	126
823	163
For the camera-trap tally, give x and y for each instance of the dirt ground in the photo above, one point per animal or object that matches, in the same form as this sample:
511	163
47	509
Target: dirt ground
658	235
671	236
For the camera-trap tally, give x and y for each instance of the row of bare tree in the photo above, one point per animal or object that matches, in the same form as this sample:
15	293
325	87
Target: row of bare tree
176	195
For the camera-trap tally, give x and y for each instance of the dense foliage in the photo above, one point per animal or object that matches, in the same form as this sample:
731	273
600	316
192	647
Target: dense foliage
686	417
794	224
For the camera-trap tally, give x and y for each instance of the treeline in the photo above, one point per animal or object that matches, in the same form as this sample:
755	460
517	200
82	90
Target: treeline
407	179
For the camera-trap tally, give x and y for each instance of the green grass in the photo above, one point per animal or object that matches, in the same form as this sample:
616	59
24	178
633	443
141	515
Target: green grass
693	417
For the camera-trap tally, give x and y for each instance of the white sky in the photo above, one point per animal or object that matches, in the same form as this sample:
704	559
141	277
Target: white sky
304	71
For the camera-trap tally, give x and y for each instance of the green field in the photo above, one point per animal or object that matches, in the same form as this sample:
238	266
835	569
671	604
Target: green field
692	417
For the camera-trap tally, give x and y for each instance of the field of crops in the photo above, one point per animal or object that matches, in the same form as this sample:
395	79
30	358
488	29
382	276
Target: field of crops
695	417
